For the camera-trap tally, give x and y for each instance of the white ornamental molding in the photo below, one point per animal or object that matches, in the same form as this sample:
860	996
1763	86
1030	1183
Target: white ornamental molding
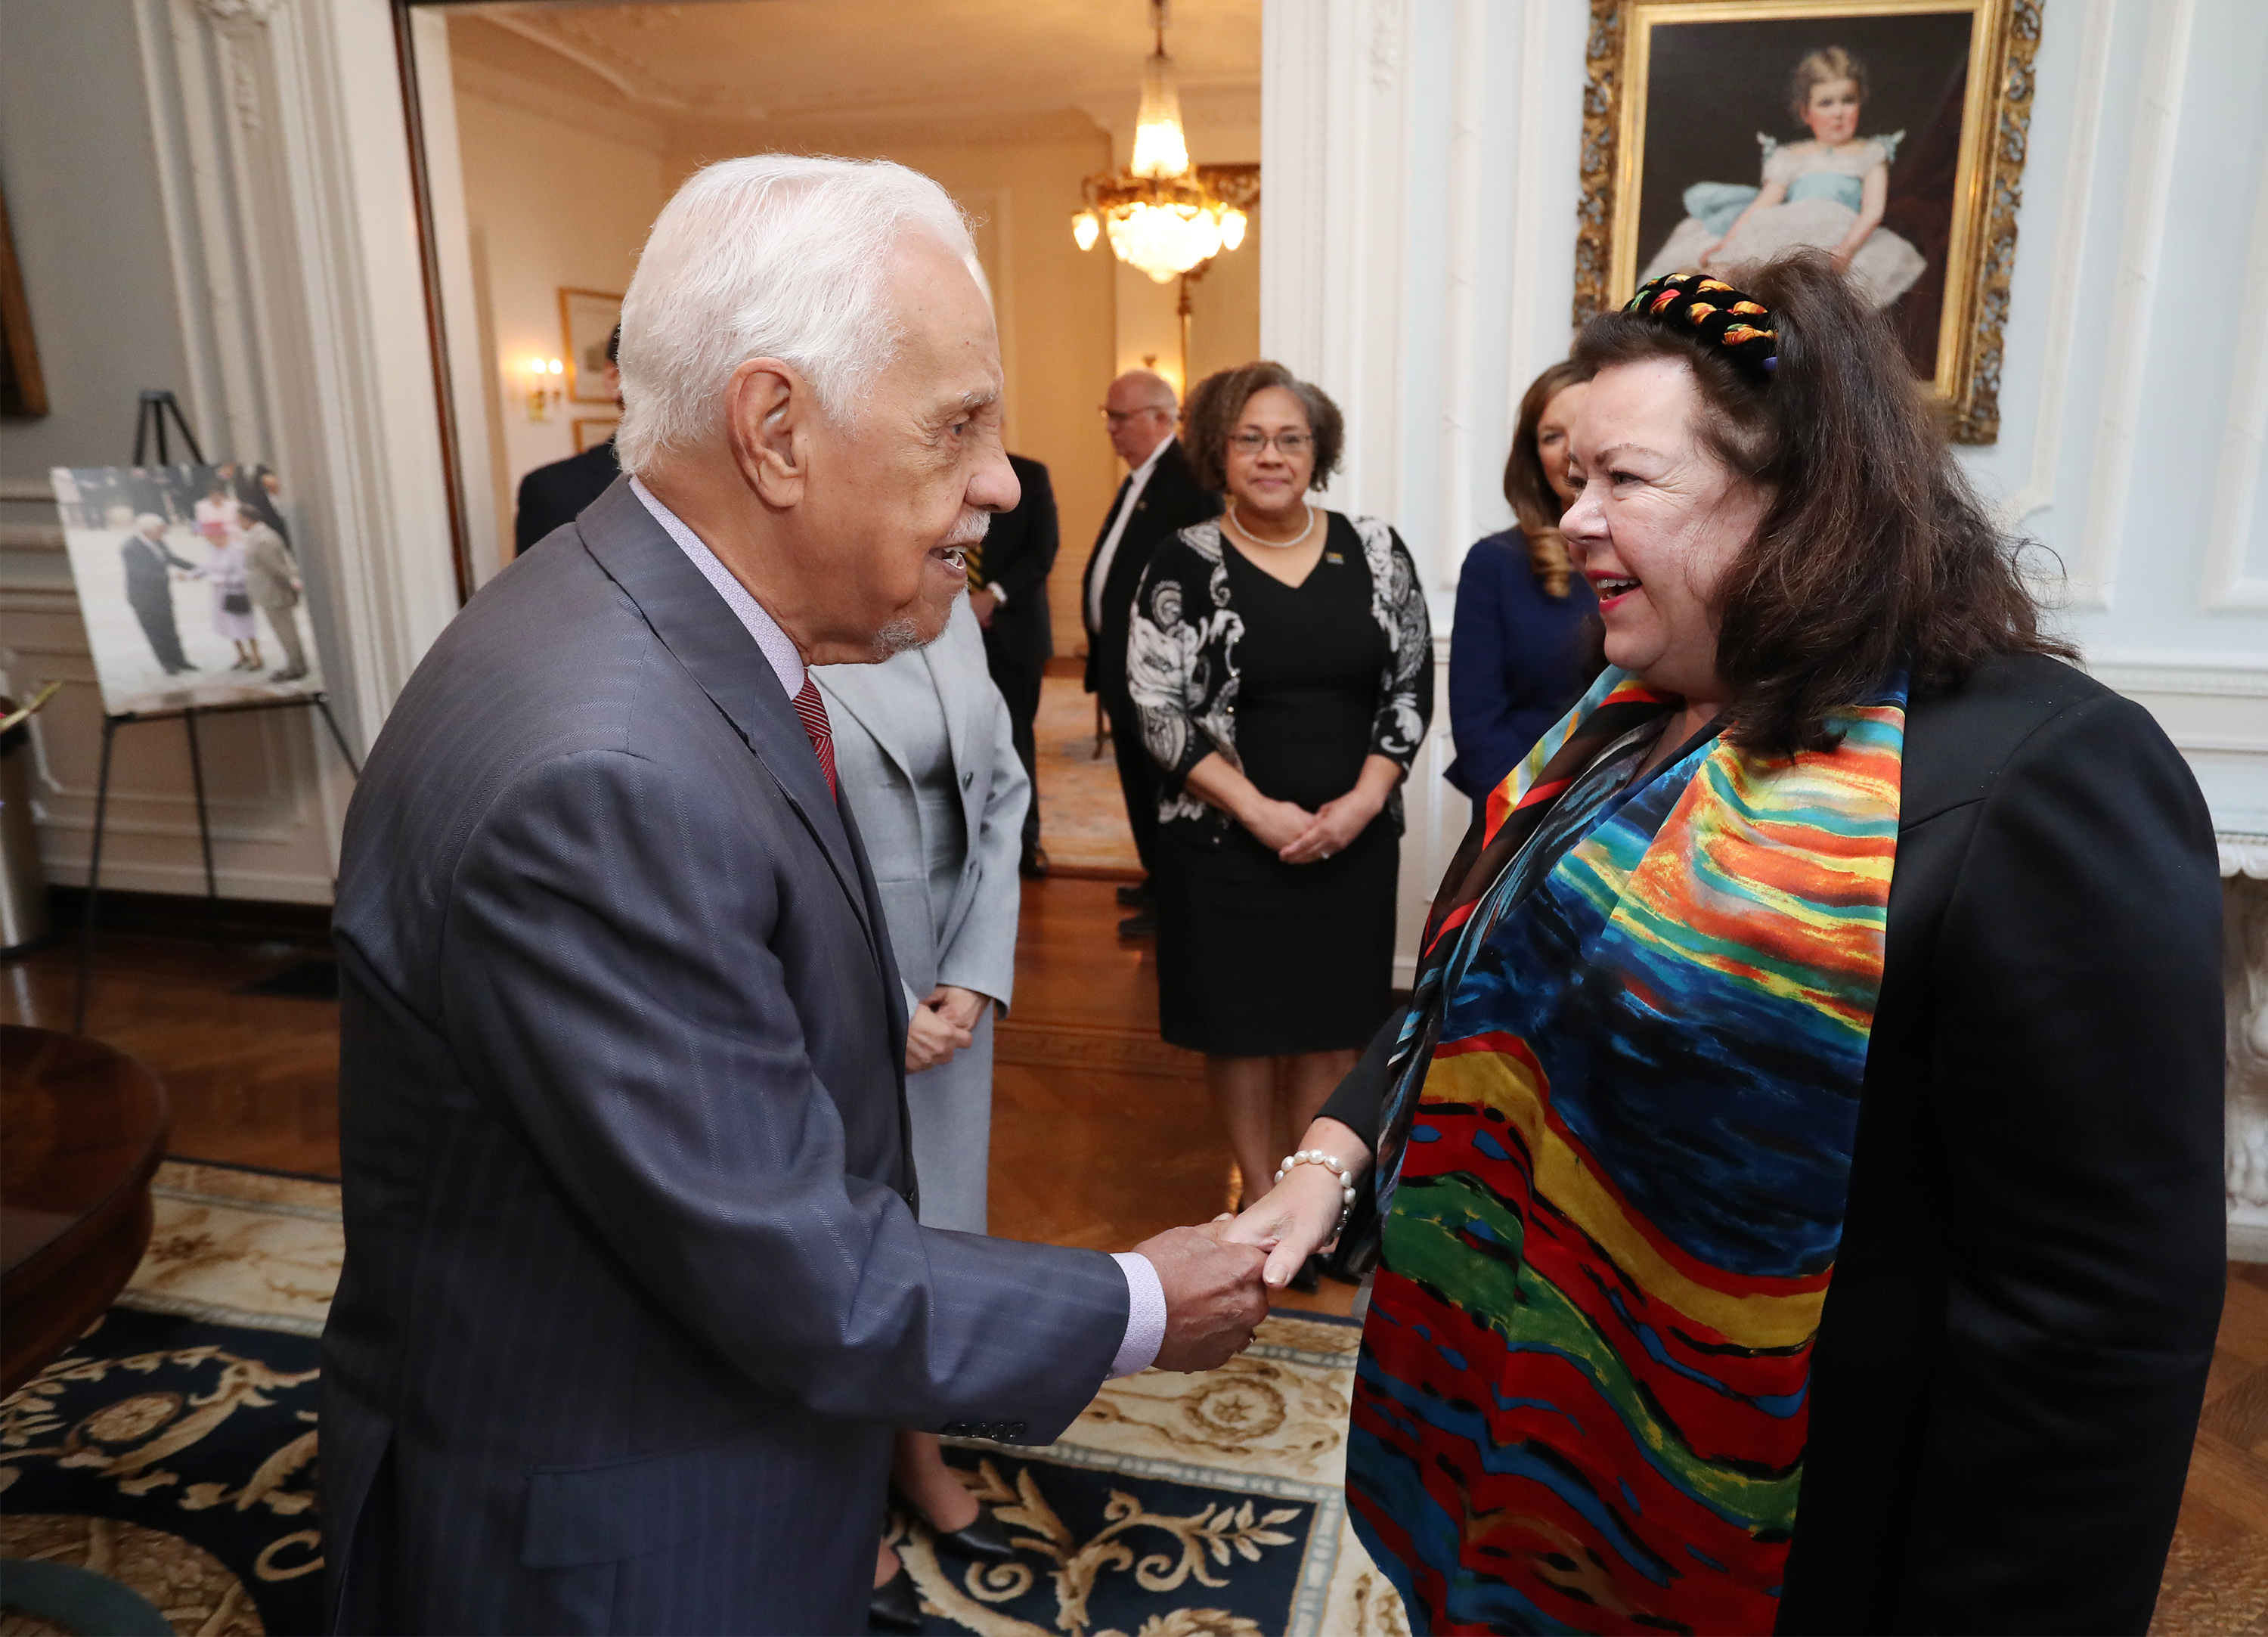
254	13
2244	855
1385	43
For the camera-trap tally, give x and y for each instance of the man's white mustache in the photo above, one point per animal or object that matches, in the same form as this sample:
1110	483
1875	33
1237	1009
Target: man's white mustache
970	529
965	533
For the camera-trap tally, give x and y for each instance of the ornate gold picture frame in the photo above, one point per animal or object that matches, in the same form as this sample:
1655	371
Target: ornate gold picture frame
1695	105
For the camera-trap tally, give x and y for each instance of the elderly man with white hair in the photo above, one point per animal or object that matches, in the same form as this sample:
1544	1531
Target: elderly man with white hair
634	1290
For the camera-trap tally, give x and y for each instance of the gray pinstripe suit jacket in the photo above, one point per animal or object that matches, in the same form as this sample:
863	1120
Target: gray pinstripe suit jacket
633	1293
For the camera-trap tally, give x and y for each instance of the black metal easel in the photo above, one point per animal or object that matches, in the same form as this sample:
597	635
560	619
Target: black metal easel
150	417
150	426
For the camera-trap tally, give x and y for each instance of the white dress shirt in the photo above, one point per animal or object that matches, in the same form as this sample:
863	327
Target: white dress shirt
1145	1294
786	663
1135	482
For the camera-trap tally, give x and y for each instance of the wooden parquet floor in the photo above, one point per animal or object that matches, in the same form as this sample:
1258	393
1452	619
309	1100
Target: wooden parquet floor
2216	1576
1101	1136
251	1080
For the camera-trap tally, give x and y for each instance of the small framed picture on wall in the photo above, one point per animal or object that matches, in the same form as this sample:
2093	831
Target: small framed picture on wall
590	433
1887	134
586	319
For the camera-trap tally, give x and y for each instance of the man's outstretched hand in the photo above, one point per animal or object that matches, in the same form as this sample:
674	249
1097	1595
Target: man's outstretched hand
1214	1299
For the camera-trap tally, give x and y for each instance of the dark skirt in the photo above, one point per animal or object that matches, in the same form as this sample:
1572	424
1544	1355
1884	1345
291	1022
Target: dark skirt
1257	958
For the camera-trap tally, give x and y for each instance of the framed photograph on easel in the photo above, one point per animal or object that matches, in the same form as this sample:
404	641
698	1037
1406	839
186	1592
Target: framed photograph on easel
586	318
1890	134
189	584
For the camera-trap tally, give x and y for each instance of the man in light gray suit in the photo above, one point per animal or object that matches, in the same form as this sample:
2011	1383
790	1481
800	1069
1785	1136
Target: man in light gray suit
634	1289
924	747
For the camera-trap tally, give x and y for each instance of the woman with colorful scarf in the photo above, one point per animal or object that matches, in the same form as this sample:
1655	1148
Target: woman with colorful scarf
1796	1201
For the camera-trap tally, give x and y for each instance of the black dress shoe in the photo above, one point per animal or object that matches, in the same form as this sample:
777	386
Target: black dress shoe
984	1539
1309	1279
1033	865
1142	926
896	1606
1136	897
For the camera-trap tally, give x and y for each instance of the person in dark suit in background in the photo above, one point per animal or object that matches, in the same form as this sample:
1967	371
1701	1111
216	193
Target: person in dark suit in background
1159	498
259	488
1008	591
636	1295
150	589
555	494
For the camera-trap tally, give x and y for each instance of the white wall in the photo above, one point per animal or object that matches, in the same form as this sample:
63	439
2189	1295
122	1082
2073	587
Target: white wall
2138	364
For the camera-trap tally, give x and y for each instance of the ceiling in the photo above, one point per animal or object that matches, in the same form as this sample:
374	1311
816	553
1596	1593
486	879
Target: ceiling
987	69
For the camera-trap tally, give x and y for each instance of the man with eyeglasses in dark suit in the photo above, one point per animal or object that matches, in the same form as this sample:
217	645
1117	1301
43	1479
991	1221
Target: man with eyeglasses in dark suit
1159	498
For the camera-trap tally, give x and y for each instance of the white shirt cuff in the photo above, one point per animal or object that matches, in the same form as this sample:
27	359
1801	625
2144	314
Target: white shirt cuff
1146	1315
999	595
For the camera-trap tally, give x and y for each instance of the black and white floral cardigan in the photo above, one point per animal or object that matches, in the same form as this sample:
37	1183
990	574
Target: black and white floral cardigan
1182	670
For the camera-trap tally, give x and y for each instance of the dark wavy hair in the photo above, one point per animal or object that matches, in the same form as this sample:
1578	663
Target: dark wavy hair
1873	552
1535	504
1217	405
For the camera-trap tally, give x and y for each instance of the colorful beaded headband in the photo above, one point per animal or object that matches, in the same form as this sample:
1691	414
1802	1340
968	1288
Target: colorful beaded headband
1738	323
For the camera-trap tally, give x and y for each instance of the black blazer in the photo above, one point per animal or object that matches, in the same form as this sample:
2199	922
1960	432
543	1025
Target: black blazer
634	1291
1171	501
1019	552
2013	1355
555	494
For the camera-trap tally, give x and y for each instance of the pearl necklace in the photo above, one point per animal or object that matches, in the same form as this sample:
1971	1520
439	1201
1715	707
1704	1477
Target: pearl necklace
1277	545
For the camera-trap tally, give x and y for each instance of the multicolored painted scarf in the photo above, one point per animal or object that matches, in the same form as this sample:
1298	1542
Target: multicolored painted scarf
1612	1173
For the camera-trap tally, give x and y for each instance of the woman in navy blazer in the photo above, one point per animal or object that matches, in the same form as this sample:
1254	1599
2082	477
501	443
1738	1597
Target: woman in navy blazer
1517	648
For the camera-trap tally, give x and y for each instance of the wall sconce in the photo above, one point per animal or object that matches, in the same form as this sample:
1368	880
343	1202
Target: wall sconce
544	392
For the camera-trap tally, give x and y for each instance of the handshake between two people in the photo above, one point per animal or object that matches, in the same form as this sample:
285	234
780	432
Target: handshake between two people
1217	1279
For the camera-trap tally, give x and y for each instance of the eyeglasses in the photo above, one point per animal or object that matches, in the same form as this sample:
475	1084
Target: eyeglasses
1292	445
1119	417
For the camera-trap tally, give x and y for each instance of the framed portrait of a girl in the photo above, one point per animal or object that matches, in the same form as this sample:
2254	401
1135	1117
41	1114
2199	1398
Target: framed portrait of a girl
1887	134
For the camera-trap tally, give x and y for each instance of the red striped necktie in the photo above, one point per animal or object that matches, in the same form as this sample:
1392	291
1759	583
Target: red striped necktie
812	710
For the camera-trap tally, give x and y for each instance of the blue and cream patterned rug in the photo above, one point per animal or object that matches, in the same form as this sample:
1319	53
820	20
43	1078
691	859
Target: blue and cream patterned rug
172	1447
1178	1506
172	1450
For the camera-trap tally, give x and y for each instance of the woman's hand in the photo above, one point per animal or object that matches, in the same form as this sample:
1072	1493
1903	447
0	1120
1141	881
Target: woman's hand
1276	825
963	1008
1340	821
1273	822
1707	260
1301	1214
1334	827
1291	1221
932	1037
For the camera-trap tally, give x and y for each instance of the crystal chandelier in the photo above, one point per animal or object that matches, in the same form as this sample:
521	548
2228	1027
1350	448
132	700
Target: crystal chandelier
1162	214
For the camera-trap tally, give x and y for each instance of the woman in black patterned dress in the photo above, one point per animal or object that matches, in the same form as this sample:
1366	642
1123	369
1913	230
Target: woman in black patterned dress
1281	658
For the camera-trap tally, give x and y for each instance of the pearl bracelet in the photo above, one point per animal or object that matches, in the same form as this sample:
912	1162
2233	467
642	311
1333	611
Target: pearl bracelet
1317	1156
